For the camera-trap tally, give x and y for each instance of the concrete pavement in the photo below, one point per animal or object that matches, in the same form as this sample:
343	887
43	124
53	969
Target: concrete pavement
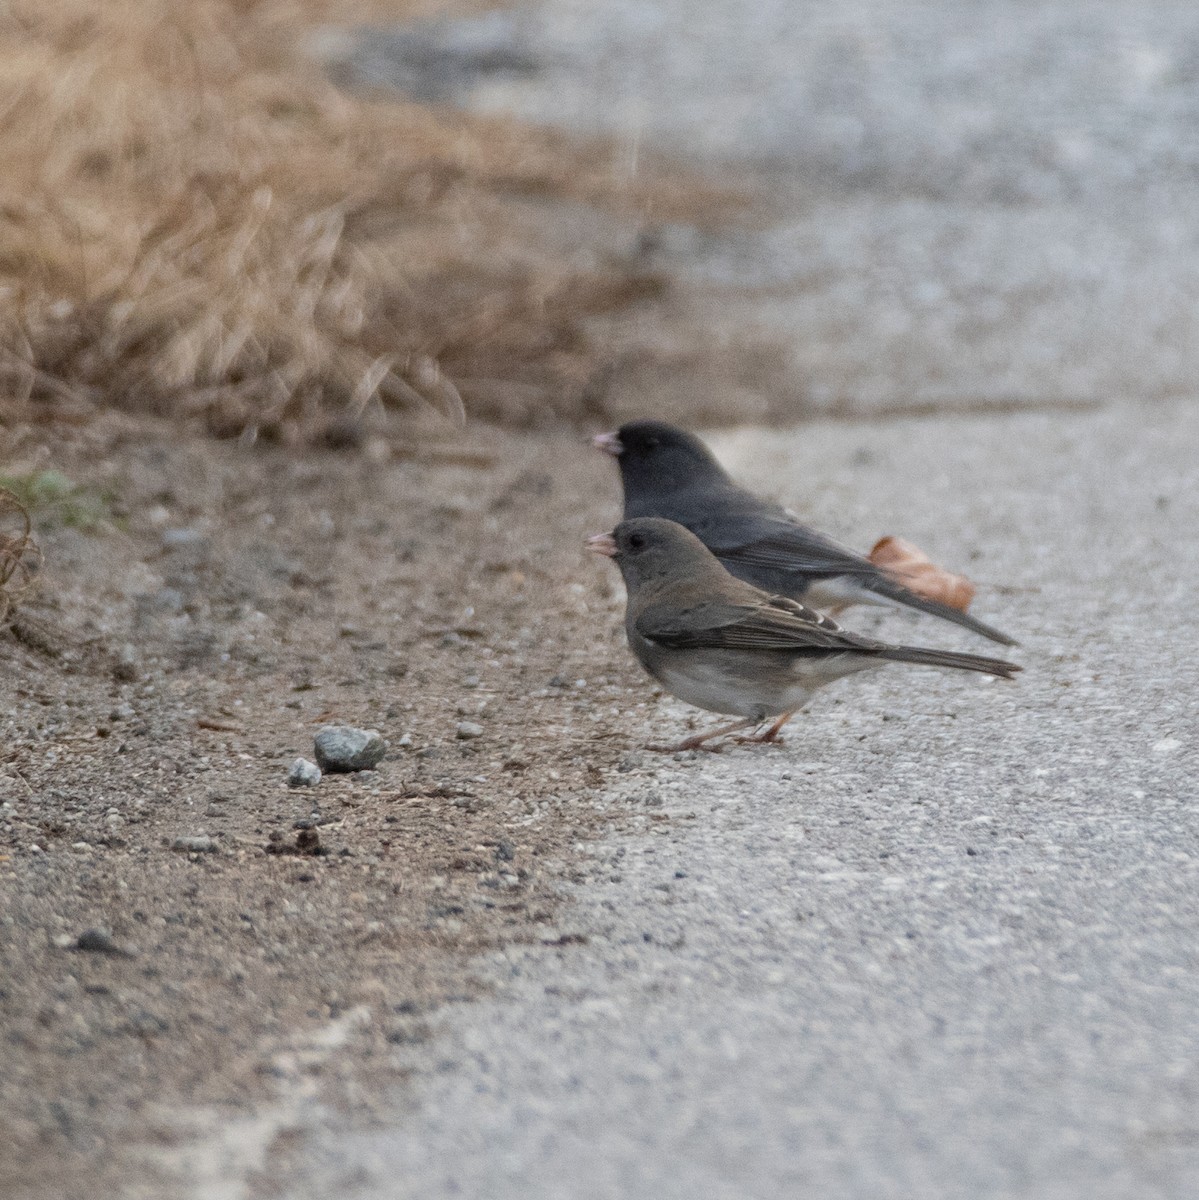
944	944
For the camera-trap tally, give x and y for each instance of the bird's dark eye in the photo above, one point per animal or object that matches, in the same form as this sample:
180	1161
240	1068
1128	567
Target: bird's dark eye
652	442
636	542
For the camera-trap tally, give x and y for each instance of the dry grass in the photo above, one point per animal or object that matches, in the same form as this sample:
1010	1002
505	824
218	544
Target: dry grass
194	223
19	555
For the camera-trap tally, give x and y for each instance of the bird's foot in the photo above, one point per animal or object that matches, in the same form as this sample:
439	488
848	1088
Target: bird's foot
700	740
769	738
691	743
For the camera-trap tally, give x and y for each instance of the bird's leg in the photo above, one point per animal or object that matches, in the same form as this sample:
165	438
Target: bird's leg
771	736
697	742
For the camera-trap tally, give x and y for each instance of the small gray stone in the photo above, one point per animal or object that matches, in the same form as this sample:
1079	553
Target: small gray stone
303	773
181	539
344	748
168	599
194	845
98	941
468	729
124	670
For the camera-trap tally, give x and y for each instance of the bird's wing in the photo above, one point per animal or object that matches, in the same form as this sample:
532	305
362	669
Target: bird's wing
772	623
770	541
773	553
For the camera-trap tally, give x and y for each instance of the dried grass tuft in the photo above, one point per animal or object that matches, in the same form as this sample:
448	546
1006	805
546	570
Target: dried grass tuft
20	557
194	222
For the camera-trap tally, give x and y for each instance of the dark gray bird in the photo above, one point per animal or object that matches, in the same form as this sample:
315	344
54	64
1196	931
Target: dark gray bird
667	472
728	647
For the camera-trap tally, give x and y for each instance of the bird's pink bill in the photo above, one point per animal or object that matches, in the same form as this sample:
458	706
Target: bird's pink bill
609	443
602	543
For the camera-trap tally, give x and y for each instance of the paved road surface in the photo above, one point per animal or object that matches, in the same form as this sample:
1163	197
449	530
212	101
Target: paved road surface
945	944
976	202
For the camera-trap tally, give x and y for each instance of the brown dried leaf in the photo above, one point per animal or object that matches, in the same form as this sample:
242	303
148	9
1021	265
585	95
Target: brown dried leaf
909	565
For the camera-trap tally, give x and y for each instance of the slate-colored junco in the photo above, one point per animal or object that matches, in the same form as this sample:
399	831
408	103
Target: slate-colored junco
728	647
667	472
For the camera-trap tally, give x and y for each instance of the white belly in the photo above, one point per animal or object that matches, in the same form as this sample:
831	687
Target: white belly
748	684
710	685
840	592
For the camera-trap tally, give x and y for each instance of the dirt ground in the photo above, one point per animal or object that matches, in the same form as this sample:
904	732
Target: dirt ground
212	608
207	606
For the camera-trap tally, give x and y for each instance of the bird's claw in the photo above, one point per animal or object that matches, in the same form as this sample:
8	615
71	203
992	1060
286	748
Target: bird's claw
688	744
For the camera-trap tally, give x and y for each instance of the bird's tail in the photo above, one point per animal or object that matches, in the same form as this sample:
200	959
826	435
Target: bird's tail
951	658
896	592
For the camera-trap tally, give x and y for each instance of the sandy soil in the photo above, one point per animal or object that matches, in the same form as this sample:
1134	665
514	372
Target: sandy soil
229	602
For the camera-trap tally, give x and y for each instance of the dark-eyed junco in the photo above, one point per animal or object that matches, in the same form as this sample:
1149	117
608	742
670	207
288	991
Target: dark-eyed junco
669	473
726	646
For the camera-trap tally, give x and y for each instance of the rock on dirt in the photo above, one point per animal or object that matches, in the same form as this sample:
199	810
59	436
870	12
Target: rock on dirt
469	729
194	845
125	669
344	748
303	773
98	941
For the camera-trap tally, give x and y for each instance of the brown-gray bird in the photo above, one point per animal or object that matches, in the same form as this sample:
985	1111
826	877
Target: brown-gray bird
723	645
667	472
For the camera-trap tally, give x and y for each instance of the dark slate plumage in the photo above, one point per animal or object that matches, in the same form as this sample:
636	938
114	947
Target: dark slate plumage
667	472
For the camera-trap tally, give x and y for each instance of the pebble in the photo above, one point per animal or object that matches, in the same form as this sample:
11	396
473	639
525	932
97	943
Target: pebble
125	670
194	845
303	773
98	941
468	729
181	539
166	599
344	748
122	712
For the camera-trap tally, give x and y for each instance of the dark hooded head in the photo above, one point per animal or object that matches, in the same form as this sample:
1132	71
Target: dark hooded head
657	460
650	549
